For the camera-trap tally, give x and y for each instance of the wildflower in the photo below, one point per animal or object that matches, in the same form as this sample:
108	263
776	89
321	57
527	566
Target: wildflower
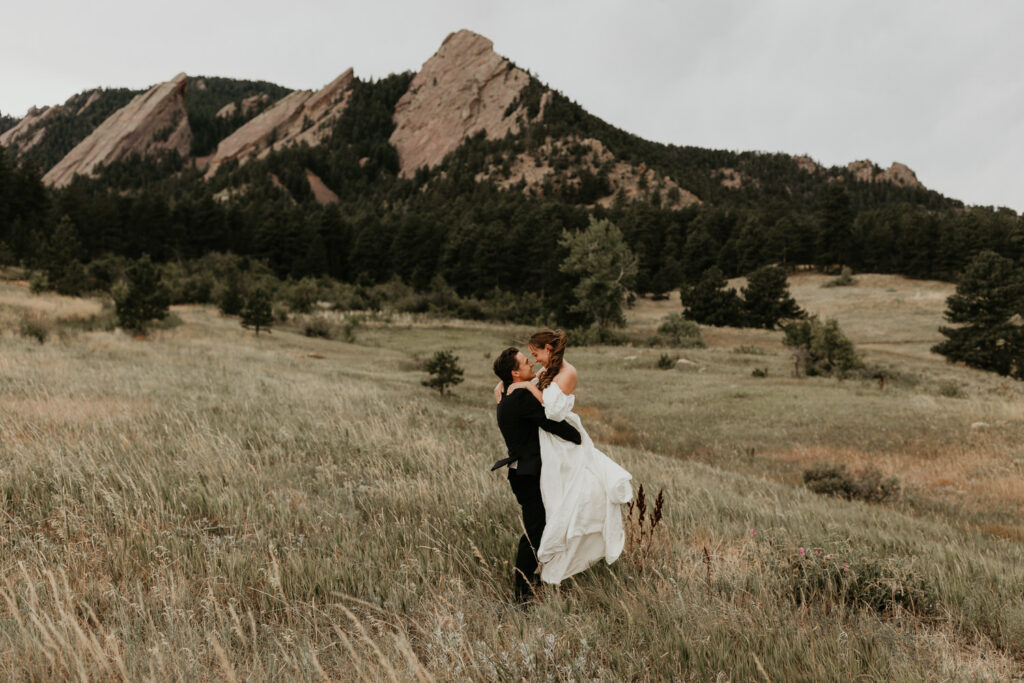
817	553
753	534
828	557
802	553
846	567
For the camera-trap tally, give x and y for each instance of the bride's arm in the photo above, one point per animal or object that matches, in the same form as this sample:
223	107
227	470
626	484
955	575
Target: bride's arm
499	388
527	385
566	379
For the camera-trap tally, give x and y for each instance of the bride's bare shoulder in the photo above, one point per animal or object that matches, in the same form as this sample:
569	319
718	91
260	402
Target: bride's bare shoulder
567	379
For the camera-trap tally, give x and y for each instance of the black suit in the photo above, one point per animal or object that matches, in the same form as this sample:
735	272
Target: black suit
520	414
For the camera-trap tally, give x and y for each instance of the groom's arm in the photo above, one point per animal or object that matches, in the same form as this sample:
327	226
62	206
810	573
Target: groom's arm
534	412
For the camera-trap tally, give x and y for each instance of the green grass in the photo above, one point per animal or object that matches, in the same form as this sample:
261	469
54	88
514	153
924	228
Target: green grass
211	505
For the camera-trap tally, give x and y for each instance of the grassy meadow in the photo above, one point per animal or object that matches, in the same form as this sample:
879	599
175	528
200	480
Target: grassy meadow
209	505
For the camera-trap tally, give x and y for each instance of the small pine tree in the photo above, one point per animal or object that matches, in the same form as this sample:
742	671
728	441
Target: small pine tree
444	371
257	311
989	305
766	299
141	297
711	301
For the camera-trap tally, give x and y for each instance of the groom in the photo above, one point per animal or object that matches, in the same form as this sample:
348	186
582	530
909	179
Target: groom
519	416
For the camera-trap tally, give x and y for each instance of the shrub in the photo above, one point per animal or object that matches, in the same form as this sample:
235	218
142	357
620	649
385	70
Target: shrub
885	587
821	347
317	326
844	279
348	330
867	485
302	295
759	372
950	389
676	330
666	362
444	371
38	282
34	326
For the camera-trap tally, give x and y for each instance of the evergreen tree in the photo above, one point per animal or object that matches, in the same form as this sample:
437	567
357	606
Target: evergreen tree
766	299
444	370
258	312
141	297
835	237
711	301
607	268
989	306
231	298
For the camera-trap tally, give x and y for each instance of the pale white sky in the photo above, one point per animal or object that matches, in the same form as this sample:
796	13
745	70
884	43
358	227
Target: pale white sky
936	84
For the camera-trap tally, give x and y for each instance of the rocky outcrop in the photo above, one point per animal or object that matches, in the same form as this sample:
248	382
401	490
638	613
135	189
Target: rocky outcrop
29	131
734	179
302	116
897	174
900	174
807	164
321	192
247	105
534	172
463	89
152	122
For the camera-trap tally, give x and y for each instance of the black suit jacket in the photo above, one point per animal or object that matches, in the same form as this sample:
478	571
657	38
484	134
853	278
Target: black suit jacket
519	416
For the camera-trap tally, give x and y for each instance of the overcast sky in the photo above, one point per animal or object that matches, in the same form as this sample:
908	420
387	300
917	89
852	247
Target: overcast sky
937	85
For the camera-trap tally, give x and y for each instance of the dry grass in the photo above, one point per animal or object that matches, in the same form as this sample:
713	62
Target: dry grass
209	505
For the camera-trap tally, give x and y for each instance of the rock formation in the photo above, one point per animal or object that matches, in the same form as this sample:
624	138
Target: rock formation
807	164
153	121
626	182
321	192
302	116
29	131
463	89
897	173
248	104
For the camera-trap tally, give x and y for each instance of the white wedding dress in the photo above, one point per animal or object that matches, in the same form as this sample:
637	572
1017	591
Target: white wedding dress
582	489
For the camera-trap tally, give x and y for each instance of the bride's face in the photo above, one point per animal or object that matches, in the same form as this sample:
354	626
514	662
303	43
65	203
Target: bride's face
541	355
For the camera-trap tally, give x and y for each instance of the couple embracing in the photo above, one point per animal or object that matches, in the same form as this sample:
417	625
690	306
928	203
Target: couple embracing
569	491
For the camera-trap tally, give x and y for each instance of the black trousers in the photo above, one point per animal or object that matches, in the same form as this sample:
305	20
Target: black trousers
526	487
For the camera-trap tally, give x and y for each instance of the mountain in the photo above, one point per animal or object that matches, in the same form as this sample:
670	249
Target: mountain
468	170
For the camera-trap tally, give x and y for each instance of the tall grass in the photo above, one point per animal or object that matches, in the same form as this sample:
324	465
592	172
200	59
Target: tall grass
209	505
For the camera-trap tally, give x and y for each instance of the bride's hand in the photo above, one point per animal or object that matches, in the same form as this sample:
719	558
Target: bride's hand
517	385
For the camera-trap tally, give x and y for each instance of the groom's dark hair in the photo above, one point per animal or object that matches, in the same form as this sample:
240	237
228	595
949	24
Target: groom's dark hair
505	363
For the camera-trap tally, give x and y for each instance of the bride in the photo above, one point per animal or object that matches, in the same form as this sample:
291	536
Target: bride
582	488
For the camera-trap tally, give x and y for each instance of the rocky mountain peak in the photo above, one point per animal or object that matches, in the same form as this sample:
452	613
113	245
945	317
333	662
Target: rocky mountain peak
463	89
154	121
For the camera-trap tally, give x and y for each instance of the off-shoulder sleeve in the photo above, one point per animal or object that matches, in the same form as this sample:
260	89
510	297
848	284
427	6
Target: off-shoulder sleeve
556	404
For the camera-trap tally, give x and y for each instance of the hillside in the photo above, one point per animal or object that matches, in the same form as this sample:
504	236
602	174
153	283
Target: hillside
292	507
471	155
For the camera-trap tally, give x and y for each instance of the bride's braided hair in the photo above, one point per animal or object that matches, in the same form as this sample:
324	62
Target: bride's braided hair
557	339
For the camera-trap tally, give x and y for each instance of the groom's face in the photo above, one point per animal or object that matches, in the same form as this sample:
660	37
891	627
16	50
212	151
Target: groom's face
524	369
